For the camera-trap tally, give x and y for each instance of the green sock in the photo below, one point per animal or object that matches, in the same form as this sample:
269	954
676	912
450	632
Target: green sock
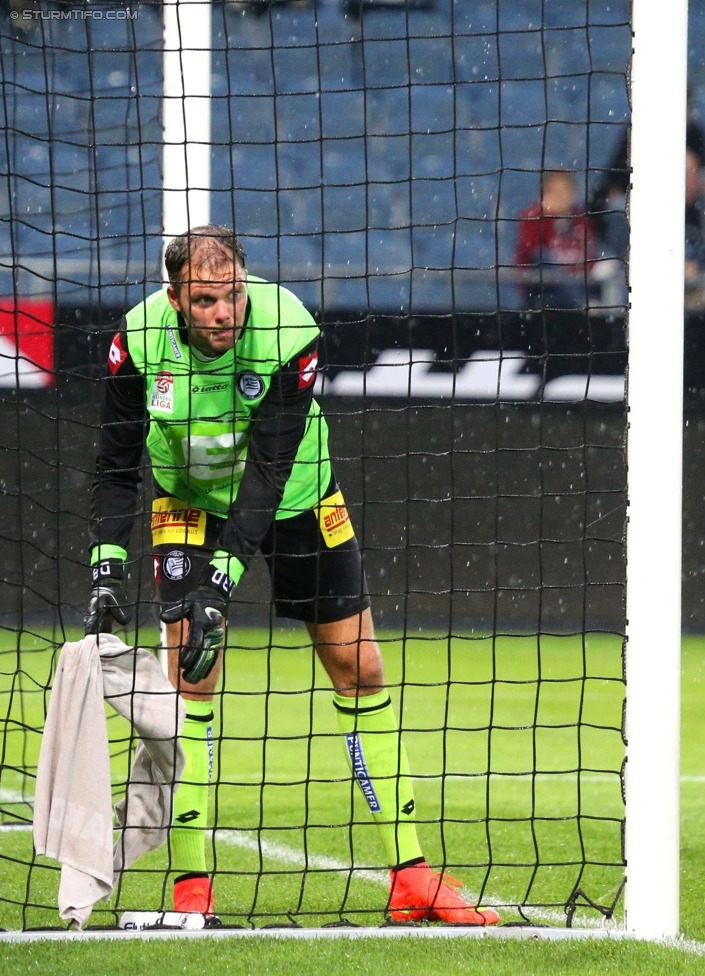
378	761
187	838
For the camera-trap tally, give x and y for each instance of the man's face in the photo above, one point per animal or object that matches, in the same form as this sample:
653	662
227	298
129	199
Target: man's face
212	299
558	196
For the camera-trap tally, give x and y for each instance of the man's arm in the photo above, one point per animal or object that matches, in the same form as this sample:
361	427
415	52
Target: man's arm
278	429
123	433
114	494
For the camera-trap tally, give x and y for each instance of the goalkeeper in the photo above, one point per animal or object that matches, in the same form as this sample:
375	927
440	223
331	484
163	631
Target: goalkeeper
215	374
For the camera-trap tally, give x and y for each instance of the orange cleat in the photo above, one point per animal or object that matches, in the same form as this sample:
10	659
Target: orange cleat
418	894
194	893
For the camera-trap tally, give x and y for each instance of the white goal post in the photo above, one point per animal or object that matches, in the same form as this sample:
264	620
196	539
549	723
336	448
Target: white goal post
654	457
186	116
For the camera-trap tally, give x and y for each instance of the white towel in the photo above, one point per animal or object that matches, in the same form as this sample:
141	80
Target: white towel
73	815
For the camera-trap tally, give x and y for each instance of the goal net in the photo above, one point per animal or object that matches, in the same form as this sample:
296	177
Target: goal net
383	160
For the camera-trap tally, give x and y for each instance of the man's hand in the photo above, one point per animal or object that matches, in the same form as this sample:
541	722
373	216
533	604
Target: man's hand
206	609
107	601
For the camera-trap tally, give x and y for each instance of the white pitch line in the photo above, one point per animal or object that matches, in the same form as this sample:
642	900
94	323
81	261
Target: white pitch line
15	796
288	855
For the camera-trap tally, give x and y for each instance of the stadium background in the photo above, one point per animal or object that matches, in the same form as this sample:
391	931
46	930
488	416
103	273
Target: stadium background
380	180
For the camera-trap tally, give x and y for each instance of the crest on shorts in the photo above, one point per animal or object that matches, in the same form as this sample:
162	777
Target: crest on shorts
176	565
250	385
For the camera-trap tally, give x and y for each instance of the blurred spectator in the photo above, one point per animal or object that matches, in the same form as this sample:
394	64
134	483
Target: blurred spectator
694	232
555	246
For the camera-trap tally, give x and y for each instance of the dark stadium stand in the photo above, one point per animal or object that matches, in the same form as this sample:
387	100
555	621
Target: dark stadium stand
428	119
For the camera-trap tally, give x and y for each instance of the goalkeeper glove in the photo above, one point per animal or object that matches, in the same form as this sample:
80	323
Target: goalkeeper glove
107	600
205	608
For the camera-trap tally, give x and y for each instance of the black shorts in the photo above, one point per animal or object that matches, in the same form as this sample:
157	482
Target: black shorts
314	558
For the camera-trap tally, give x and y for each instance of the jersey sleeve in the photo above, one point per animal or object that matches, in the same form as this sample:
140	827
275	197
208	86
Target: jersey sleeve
278	429
124	425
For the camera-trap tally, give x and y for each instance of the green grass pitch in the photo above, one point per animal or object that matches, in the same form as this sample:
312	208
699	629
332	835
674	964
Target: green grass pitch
542	715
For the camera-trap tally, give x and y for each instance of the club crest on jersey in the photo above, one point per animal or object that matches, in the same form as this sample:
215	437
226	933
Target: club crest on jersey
307	370
250	385
117	354
162	397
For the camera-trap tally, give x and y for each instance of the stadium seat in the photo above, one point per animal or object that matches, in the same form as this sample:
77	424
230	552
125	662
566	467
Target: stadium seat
298	117
245	118
341	67
244	166
344	253
433	108
432	247
342	114
478	195
344	163
299	211
385	63
388	111
431	58
344	208
522	54
433	155
433	201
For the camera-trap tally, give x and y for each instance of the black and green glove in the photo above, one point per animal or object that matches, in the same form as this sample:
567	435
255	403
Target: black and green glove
107	601
206	609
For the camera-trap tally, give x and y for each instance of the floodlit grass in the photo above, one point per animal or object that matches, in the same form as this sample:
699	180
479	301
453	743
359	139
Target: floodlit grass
415	957
287	822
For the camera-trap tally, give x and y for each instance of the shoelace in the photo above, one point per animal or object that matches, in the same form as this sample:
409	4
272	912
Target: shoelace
440	876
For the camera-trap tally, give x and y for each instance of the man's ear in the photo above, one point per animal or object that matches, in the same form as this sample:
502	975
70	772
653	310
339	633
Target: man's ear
173	297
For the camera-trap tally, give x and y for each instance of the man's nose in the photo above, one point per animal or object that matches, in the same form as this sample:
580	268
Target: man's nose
223	310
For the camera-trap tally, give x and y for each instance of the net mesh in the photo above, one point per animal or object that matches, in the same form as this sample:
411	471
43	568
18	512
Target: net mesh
379	159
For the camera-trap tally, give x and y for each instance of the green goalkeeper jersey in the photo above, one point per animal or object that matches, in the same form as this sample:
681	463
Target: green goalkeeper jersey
239	436
203	412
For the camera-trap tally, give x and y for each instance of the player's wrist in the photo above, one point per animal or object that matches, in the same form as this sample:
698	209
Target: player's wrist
107	551
107	569
229	564
218	580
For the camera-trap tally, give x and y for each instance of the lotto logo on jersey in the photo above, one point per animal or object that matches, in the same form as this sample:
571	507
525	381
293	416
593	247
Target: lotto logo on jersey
162	397
334	520
117	355
307	370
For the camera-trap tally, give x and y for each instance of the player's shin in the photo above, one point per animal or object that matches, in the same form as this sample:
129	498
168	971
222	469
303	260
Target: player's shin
380	766
187	837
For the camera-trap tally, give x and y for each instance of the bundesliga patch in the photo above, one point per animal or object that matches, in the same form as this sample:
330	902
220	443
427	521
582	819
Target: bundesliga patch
307	370
334	520
250	385
162	396
174	522
117	355
359	768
